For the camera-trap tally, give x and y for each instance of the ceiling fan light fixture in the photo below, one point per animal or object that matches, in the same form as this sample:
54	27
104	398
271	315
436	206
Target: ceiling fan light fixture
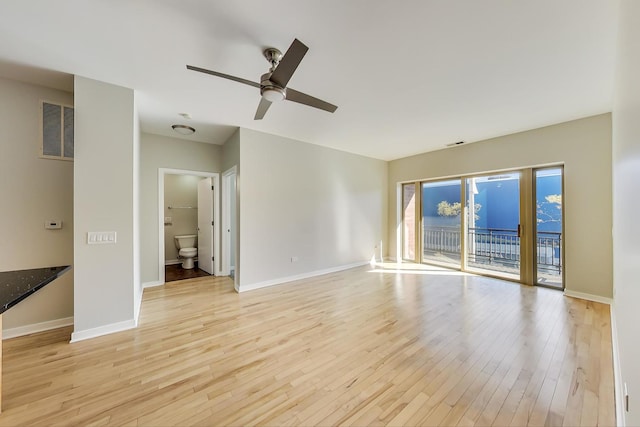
273	94
273	84
183	129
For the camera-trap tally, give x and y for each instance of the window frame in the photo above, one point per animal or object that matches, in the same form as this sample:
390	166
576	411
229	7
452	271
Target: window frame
41	139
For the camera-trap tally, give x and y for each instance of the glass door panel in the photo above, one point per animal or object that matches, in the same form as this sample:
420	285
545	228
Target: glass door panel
493	225
409	221
441	210
548	191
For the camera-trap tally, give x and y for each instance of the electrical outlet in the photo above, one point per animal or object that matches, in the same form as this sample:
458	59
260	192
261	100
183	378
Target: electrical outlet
294	259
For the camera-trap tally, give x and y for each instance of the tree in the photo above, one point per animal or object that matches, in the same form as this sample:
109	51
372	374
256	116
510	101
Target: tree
453	209
447	209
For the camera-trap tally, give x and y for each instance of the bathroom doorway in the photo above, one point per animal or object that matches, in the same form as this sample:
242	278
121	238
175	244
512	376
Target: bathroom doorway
229	253
178	214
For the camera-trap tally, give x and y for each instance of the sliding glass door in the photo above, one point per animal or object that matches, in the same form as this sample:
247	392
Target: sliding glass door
548	240
493	225
441	213
506	224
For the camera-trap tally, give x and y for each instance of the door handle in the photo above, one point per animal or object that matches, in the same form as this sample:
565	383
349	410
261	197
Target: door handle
519	230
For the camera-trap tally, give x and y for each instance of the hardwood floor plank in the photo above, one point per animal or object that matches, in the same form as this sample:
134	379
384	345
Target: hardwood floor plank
357	347
606	395
538	392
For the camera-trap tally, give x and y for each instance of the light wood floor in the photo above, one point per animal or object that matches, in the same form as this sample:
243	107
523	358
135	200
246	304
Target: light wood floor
358	347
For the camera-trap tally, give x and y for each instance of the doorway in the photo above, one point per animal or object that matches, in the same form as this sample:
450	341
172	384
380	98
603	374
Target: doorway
229	252
208	236
441	221
493	225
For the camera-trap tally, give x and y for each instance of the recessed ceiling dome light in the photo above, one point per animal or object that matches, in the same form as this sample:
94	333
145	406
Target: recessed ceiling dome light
183	129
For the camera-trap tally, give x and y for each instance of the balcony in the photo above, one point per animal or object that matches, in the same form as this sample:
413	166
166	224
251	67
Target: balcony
495	250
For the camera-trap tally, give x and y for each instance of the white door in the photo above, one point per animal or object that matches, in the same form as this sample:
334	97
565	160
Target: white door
205	225
228	222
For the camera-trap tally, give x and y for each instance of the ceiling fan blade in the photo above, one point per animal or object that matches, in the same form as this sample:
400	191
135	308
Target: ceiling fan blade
289	63
262	109
224	76
303	98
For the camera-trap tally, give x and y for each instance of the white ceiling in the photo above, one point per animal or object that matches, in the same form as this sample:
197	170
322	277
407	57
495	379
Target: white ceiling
407	76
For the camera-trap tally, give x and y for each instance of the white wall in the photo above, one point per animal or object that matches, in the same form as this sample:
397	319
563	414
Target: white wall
104	180
33	190
583	146
323	206
179	190
231	152
626	205
164	152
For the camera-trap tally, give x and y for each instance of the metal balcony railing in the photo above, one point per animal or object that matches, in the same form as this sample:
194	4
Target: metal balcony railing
495	246
549	251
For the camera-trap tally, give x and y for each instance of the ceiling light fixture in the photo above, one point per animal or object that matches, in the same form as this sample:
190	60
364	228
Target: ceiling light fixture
273	93
183	129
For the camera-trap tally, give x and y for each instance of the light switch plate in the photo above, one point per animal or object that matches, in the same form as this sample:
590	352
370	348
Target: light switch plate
101	237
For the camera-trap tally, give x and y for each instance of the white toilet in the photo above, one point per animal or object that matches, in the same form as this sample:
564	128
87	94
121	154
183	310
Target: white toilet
188	249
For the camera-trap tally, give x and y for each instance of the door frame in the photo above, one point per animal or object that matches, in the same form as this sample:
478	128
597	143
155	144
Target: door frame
417	244
215	176
523	222
225	241
534	278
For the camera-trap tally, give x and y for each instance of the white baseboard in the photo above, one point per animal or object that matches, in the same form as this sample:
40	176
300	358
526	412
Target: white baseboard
588	297
36	327
102	330
617	373
281	280
152	284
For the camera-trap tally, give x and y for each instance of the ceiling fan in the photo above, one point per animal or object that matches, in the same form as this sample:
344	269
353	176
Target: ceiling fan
273	84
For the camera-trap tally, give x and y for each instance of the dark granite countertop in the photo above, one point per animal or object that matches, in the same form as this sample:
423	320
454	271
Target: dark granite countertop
17	285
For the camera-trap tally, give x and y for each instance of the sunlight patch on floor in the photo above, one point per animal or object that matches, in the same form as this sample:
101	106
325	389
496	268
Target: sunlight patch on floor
412	268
